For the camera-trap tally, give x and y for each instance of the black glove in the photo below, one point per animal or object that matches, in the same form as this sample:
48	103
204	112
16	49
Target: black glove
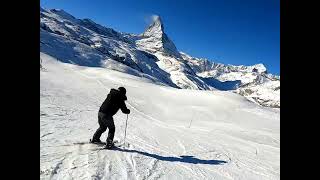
128	111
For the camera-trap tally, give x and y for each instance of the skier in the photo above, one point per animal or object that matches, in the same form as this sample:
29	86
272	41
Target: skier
114	101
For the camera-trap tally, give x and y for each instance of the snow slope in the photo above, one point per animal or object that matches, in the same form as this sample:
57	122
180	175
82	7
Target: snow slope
228	137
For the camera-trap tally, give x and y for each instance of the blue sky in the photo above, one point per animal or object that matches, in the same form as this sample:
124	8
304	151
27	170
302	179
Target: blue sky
239	32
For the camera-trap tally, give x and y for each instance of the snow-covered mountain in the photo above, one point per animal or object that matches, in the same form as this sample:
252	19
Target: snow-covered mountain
252	82
150	54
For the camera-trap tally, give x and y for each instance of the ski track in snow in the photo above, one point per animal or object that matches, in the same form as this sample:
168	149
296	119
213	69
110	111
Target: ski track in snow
71	95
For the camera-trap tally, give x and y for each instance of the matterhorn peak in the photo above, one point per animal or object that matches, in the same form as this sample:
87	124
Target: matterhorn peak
155	39
156	28
156	20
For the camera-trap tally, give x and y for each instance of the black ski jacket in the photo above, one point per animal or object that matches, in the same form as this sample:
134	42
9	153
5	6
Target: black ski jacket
114	102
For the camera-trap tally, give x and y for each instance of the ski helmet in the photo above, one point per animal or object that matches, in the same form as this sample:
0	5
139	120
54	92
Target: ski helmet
122	90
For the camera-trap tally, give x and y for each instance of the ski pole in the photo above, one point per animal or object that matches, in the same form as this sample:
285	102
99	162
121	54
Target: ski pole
125	132
191	118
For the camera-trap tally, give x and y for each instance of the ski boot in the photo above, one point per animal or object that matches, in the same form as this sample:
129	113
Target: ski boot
110	144
96	141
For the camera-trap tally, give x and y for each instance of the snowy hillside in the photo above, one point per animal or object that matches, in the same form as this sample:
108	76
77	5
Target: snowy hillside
172	133
151	54
85	43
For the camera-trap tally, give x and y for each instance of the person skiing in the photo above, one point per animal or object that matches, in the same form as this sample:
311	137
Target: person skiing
114	101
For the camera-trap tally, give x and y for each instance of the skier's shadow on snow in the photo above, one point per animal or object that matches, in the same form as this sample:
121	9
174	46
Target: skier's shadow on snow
184	159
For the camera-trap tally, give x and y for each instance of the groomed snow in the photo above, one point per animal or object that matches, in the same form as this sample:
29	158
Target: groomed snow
229	137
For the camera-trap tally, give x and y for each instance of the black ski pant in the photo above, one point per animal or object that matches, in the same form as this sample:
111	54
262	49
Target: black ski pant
105	121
